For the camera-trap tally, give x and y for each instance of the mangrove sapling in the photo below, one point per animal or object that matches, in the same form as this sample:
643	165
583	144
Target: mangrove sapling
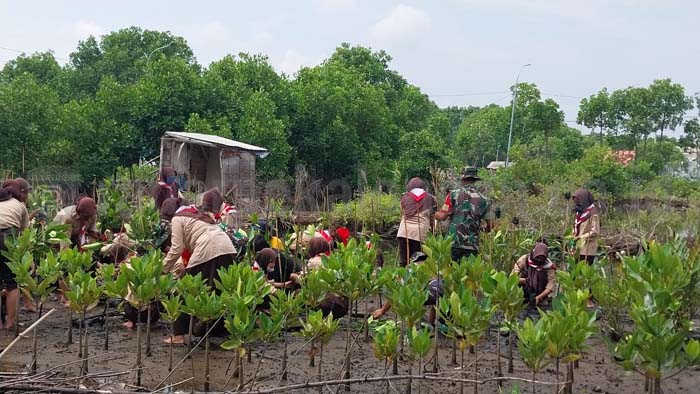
20	248
143	225
242	290
570	324
142	275
507	296
270	328
72	261
467	319
348	273
532	343
172	309
408	299
419	345
313	291
386	341
190	285
284	305
439	251
206	307
83	294
658	282
47	273
114	286
321	329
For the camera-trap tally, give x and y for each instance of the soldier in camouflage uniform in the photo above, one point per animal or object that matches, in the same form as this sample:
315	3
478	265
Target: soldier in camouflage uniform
467	209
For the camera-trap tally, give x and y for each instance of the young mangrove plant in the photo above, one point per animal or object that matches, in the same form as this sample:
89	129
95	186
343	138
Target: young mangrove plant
386	341
532	343
83	294
114	287
349	275
72	261
320	329
47	273
467	319
242	290
285	307
172	309
439	251
206	306
420	343
507	296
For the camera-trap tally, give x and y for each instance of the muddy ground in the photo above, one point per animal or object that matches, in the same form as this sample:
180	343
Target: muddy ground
597	371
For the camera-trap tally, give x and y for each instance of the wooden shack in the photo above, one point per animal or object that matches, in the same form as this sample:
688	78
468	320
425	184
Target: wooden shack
205	161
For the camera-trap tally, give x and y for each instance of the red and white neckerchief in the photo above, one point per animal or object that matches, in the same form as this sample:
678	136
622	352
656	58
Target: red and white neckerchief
186	254
581	218
547	266
326	235
83	237
225	211
256	266
417	194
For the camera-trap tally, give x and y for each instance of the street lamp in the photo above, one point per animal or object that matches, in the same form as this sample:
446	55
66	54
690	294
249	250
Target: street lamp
148	58
512	113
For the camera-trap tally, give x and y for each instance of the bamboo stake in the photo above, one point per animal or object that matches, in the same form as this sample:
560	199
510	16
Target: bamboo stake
24	333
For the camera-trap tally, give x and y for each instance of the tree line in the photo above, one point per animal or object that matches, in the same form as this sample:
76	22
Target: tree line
351	117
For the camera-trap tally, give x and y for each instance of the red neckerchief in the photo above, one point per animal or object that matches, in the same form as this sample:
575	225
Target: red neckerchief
186	254
226	210
417	194
548	265
582	218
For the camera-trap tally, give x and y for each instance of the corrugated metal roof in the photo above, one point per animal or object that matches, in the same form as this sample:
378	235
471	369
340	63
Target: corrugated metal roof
215	140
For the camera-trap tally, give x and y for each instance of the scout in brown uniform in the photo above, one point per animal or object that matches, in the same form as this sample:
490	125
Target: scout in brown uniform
586	225
416	208
537	274
13	219
197	232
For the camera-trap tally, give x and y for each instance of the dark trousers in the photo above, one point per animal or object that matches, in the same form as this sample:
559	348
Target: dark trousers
459	253
209	271
134	315
406	249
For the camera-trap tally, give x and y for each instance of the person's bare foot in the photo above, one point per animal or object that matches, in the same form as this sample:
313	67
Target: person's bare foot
591	304
9	326
175	340
130	325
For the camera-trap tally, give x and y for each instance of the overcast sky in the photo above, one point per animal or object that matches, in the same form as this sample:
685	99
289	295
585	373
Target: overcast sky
460	52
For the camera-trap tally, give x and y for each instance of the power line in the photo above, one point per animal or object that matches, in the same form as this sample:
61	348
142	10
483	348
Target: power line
467	94
25	52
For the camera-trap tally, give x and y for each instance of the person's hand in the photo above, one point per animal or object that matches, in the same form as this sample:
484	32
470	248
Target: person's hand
288	284
179	271
538	299
377	314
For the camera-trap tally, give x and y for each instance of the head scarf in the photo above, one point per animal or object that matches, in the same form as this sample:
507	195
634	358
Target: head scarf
586	208
343	234
17	188
259	243
163	190
212	201
168	209
416	199
266	256
536	274
86	208
194	213
318	245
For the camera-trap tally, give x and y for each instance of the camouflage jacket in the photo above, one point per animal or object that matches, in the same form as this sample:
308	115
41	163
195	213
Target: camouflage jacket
467	208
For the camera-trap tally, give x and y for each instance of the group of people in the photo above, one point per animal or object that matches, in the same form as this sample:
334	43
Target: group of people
194	241
470	213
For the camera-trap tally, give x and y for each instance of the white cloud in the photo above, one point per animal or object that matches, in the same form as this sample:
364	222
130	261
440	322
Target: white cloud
403	22
293	61
84	28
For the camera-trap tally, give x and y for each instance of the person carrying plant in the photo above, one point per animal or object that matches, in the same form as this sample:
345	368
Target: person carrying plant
416	208
82	219
586	225
166	187
467	210
14	218
195	230
537	274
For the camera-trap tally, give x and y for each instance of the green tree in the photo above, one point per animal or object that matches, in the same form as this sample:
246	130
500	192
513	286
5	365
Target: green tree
597	111
669	104
483	136
545	118
691	139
